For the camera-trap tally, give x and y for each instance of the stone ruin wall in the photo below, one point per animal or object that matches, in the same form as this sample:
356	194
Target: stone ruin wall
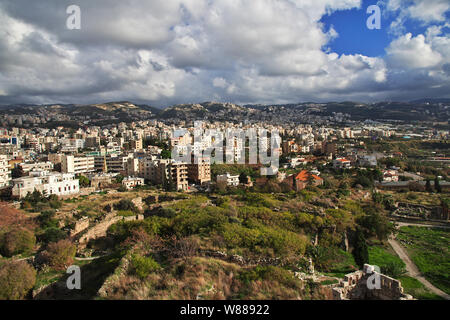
354	287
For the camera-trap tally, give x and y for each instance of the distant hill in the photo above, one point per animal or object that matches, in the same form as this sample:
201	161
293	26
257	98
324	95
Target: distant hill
125	111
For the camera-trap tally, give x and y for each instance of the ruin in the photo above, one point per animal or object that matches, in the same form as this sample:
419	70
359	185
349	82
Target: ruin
368	284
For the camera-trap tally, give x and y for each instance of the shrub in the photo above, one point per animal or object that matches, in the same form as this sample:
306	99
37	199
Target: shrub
143	266
55	204
17	278
125	205
46	219
17	241
52	235
59	254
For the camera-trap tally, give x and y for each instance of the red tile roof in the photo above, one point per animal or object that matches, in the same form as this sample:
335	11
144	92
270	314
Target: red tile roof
303	176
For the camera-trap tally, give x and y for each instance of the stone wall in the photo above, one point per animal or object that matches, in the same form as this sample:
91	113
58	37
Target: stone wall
354	286
420	211
80	226
100	229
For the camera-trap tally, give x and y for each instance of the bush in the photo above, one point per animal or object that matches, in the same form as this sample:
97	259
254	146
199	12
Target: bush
46	219
59	254
17	278
17	241
125	205
143	266
52	235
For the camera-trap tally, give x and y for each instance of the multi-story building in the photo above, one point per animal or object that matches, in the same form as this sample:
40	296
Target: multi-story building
72	145
36	166
136	144
48	183
200	172
5	173
92	142
169	171
77	165
113	163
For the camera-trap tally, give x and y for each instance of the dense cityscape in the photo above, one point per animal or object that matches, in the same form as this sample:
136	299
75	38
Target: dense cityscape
79	194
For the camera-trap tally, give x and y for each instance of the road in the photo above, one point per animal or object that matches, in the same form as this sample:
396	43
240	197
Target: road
411	268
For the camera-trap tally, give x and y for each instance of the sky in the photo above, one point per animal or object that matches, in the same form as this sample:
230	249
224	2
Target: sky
164	52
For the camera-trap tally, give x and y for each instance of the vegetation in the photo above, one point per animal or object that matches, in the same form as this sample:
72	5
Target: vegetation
389	263
429	250
59	255
17	241
17	278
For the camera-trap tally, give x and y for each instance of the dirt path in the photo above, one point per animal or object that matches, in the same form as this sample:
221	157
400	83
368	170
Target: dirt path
411	268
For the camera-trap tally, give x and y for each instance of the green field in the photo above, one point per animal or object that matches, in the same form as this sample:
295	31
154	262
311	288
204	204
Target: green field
429	250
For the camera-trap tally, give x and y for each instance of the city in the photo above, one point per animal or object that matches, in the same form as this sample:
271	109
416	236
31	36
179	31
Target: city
223	158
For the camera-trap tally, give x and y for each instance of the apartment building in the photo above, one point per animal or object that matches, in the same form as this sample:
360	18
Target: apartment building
48	183
77	165
148	168
136	144
5	173
113	163
36	166
92	142
174	172
72	145
200	172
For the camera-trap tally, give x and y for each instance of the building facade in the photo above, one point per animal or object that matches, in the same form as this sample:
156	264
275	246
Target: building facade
48	183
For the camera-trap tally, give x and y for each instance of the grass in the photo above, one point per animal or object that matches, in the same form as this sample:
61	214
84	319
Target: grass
389	263
429	250
341	265
415	288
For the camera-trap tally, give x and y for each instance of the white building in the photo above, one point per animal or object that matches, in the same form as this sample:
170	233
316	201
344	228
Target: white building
390	176
36	166
231	180
131	182
77	165
48	183
71	145
5	173
341	163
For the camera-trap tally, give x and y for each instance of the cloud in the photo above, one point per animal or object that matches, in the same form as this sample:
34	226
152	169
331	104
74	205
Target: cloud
424	11
165	52
410	52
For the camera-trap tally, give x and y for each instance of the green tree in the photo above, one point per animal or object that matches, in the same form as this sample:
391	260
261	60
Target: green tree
242	178
17	172
52	235
17	278
166	154
84	181
360	250
428	186
59	254
437	185
17	241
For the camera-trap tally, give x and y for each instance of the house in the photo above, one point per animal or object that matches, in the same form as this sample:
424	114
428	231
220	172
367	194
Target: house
303	179
390	176
231	180
48	183
341	163
132	182
5	173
